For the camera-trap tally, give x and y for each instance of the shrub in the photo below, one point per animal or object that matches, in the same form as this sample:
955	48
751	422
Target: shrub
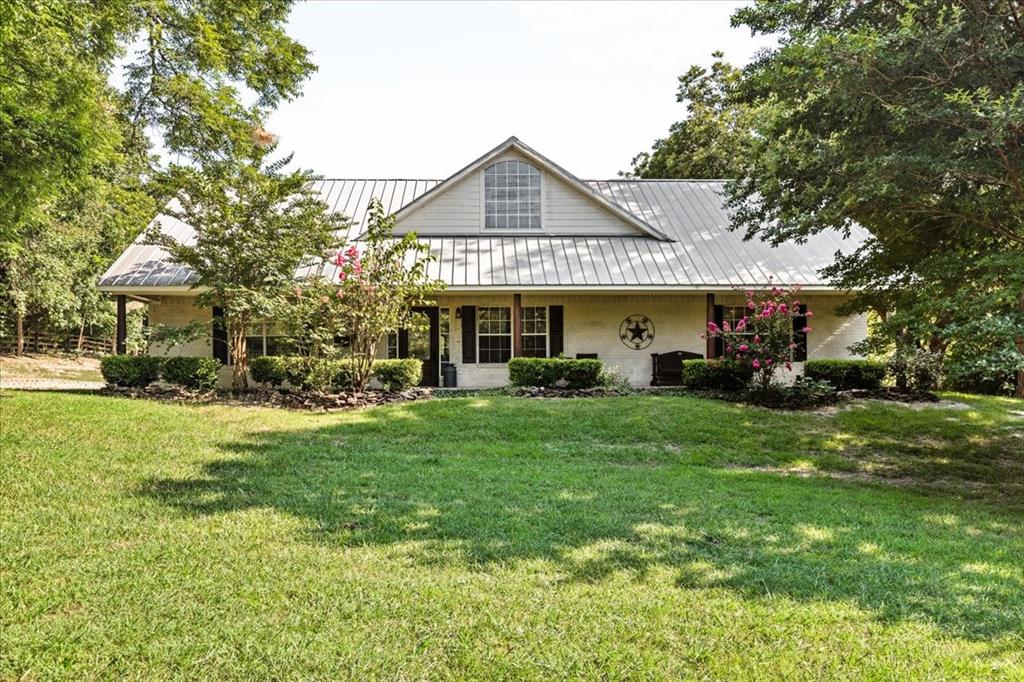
318	374
398	375
561	372
192	372
269	370
720	375
137	371
915	369
804	392
846	374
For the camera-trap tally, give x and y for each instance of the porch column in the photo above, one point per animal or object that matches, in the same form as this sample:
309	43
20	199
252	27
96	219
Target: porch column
517	326
122	325
710	317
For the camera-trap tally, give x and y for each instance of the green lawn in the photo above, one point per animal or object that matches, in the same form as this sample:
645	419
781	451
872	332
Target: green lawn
491	537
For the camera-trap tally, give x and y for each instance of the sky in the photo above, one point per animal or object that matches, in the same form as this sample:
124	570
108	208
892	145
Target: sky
418	90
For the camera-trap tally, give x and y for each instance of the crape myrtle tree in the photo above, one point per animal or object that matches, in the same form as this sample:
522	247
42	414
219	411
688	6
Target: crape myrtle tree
380	280
907	119
255	225
763	338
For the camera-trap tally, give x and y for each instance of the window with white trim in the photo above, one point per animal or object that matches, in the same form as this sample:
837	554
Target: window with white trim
445	327
733	314
265	338
494	334
534	332
511	196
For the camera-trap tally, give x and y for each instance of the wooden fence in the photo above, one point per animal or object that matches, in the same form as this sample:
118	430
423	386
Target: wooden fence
53	343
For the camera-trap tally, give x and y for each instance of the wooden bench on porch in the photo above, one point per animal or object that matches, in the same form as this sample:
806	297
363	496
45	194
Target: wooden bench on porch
668	367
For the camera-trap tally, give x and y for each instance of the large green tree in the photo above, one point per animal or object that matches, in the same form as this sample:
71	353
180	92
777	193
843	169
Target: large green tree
199	75
713	139
255	225
907	119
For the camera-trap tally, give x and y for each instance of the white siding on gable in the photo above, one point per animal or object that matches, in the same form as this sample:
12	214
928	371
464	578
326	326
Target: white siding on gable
565	210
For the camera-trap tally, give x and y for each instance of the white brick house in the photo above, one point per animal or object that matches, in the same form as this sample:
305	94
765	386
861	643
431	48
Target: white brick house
539	262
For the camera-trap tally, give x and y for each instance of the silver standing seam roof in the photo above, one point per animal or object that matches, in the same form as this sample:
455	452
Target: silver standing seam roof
700	252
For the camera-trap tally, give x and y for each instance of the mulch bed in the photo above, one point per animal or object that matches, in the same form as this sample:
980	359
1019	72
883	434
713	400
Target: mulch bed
261	397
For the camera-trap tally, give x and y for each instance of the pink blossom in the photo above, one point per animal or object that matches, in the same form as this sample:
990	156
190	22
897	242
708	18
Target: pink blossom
341	293
728	349
782	308
712	327
757	338
756	364
807	330
352	252
768	361
789	365
749	293
744	348
792	346
808	314
726	327
750	304
741	325
766	313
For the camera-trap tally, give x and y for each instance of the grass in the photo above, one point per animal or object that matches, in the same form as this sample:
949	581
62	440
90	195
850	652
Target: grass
493	537
56	367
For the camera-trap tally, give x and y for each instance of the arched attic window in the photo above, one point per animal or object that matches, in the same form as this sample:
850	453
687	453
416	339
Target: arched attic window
511	196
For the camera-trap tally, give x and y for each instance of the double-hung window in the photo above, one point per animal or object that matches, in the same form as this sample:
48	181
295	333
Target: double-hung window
265	338
534	329
494	334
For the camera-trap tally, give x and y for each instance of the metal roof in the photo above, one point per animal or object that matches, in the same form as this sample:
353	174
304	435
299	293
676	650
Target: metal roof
702	253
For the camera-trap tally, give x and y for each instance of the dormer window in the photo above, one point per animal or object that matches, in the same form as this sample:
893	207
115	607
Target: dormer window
511	196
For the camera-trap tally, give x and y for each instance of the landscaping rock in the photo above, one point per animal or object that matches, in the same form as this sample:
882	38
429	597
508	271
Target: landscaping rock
301	400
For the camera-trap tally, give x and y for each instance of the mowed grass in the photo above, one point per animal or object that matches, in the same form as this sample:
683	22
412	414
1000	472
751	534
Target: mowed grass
498	538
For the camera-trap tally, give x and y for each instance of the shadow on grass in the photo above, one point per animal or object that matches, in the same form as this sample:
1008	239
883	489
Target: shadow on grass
467	483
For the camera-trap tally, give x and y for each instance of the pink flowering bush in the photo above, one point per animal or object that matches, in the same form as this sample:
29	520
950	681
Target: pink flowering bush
763	338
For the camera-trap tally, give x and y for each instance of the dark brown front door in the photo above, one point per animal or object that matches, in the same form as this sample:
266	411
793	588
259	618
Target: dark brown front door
425	345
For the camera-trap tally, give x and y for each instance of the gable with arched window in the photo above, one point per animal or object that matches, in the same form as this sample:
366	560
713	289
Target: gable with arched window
512	196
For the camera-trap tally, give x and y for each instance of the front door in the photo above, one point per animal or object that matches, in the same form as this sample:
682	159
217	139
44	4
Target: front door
424	344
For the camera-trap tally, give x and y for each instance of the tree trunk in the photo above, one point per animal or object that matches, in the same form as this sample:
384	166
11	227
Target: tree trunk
1020	349
20	331
239	374
81	336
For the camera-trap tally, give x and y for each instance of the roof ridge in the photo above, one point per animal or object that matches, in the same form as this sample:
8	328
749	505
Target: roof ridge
356	179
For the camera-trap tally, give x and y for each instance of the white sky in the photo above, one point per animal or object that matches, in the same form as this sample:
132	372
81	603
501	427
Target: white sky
420	89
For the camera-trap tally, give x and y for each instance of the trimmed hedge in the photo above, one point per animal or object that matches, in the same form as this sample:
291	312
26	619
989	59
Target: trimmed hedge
552	372
715	375
191	372
137	371
317	374
846	374
269	370
398	375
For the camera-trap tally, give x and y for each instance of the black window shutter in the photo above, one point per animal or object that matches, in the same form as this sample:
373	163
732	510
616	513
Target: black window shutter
719	341
403	343
469	334
220	336
799	335
556	326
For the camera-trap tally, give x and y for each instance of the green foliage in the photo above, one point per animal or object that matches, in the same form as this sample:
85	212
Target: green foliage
802	393
847	374
722	375
137	371
555	372
318	374
269	370
191	372
915	369
904	119
254	226
713	139
381	280
398	375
